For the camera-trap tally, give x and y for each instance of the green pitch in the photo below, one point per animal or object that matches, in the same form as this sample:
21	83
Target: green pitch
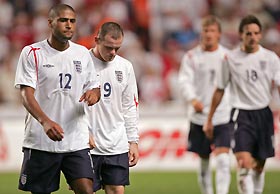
151	183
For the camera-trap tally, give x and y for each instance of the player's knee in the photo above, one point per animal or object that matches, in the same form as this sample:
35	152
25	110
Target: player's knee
259	167
86	190
113	189
245	161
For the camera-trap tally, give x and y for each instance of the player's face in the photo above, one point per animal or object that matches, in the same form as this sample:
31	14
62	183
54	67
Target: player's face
210	36
251	37
108	47
63	26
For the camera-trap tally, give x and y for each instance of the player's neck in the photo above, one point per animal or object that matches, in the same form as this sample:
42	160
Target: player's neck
58	45
249	49
96	53
210	48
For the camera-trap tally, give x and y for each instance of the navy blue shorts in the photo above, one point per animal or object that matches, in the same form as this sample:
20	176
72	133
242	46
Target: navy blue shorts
253	132
110	170
40	172
200	144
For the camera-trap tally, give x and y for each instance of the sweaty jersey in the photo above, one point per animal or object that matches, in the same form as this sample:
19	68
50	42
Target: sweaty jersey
250	76
197	79
59	79
114	119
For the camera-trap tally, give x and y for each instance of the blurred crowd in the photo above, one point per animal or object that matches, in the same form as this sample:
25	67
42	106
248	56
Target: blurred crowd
157	33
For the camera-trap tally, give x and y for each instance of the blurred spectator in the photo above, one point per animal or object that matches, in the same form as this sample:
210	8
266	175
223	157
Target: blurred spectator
6	15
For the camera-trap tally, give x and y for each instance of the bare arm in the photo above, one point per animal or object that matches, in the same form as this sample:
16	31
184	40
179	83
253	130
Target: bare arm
91	96
52	129
216	100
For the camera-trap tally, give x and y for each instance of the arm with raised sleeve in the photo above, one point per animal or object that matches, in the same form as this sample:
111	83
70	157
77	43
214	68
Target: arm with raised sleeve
186	82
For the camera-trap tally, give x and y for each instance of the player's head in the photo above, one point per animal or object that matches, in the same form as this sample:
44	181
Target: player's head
250	33
108	40
62	21
210	32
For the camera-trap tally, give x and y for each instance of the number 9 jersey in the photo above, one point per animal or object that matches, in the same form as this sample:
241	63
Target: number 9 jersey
114	119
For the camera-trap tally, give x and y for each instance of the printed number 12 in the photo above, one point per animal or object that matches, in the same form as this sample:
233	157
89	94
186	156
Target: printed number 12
68	79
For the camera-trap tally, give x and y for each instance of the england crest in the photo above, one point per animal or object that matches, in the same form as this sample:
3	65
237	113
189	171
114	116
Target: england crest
263	65
78	66
119	76
23	179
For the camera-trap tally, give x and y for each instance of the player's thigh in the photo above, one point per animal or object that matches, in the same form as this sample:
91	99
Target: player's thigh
197	141
40	171
82	186
77	165
98	161
116	170
223	135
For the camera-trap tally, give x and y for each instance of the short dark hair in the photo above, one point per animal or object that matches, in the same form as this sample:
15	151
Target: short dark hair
210	20
110	27
56	9
249	19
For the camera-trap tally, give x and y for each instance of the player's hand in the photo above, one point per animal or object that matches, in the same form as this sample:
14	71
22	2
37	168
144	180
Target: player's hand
53	130
197	105
208	129
91	96
133	154
91	141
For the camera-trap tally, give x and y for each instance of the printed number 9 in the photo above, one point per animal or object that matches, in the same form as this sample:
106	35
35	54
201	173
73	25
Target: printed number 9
107	89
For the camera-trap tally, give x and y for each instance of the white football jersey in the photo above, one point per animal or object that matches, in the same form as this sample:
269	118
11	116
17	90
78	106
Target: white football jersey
59	79
114	119
197	79
250	76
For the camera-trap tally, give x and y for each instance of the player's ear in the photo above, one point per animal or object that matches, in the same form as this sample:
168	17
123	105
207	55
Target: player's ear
96	39
50	23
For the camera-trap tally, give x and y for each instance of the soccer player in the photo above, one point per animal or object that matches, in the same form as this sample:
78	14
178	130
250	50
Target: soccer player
197	79
56	77
250	71
114	119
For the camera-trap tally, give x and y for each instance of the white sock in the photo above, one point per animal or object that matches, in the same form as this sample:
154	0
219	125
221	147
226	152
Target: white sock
245	183
205	177
222	173
258	179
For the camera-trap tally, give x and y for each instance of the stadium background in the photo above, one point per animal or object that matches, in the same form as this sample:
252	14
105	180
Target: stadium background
157	33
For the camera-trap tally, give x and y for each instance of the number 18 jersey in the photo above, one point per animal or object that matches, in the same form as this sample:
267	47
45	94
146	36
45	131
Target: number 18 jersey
250	76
